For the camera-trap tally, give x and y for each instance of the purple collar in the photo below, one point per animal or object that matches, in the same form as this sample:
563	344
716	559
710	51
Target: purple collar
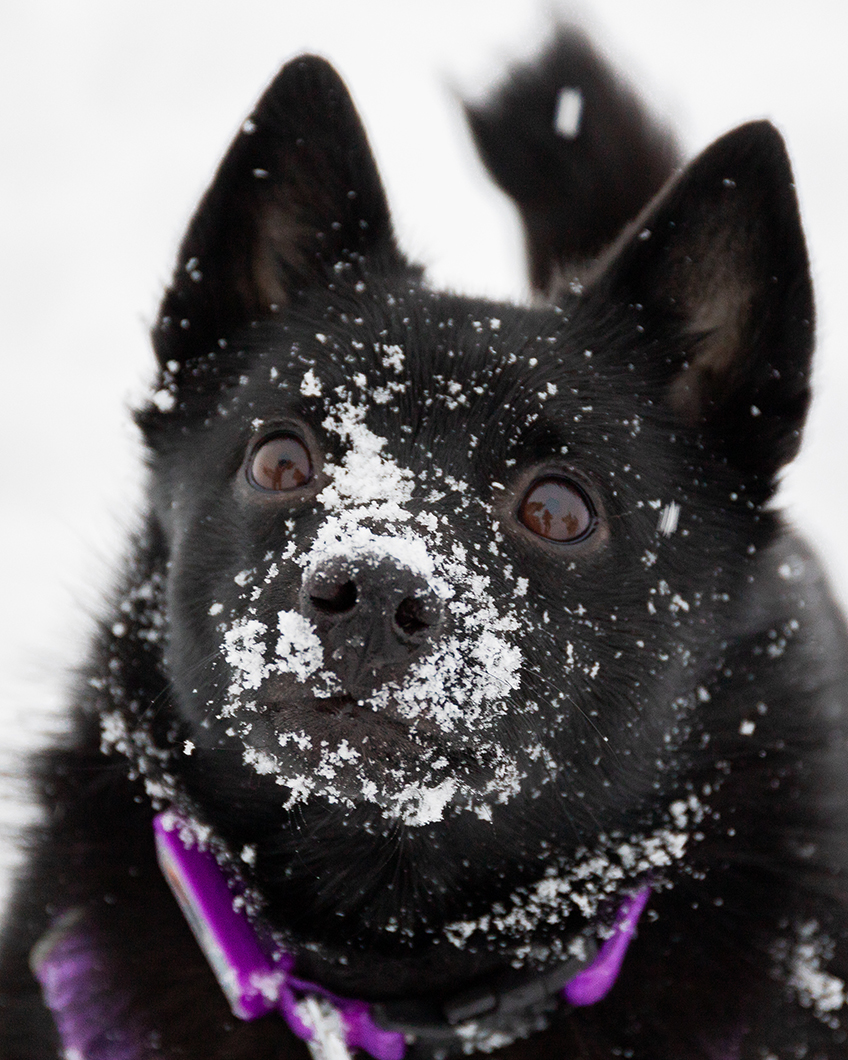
258	978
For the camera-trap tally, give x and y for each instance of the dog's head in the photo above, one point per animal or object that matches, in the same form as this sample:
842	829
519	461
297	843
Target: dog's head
450	569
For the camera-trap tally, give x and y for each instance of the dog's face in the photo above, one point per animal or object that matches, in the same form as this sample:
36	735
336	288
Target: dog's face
450	568
399	546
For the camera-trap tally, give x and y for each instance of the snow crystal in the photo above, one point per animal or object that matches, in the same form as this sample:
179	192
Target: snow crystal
569	110
164	400
669	518
310	385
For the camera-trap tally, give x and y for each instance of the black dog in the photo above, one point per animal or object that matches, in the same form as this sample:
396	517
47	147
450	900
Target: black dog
485	702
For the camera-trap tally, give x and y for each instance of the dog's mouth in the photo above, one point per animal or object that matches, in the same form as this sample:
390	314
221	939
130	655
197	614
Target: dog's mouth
339	706
350	712
352	751
380	736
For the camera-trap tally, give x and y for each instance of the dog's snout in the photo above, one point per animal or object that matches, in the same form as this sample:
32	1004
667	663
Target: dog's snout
373	613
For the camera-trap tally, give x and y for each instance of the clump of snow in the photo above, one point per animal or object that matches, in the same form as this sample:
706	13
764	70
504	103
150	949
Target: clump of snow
568	112
298	651
802	963
393	357
417	805
244	650
311	385
164	400
793	569
328	1029
366	475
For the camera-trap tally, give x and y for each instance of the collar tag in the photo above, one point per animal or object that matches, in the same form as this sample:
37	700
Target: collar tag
225	935
254	980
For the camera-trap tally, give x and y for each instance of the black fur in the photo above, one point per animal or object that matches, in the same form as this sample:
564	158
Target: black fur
664	693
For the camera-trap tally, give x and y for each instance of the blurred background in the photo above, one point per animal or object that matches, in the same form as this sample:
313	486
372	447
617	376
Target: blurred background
112	119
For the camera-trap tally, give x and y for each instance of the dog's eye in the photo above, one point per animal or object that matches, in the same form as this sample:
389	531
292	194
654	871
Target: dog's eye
558	510
280	463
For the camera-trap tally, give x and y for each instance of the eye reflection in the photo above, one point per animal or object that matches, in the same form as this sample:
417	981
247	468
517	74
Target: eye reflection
557	509
280	463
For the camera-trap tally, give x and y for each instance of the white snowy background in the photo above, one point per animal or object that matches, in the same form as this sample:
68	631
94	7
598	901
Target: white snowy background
112	119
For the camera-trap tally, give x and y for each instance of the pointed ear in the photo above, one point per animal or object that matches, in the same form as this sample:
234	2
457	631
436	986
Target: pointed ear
296	199
717	265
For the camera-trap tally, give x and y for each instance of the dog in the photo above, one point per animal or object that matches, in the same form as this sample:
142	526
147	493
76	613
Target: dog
464	692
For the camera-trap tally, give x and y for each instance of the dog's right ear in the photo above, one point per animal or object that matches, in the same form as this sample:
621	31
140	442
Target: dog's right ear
714	278
296	200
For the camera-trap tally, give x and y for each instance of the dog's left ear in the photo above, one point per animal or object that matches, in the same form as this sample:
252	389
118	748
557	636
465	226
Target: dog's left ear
716	270
296	201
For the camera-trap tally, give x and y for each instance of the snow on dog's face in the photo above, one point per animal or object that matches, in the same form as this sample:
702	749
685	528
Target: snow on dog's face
435	699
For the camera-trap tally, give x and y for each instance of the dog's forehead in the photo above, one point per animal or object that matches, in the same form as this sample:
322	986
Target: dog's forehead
430	372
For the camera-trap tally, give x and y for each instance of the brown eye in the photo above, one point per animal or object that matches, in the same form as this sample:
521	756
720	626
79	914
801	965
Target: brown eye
280	463
557	510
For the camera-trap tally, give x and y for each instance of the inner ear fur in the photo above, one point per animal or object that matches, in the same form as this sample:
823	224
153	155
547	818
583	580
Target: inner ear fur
297	199
718	263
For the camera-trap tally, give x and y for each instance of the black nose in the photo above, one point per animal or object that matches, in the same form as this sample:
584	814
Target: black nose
374	615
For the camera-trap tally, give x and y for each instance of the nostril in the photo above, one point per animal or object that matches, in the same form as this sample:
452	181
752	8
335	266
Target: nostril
335	599
412	616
